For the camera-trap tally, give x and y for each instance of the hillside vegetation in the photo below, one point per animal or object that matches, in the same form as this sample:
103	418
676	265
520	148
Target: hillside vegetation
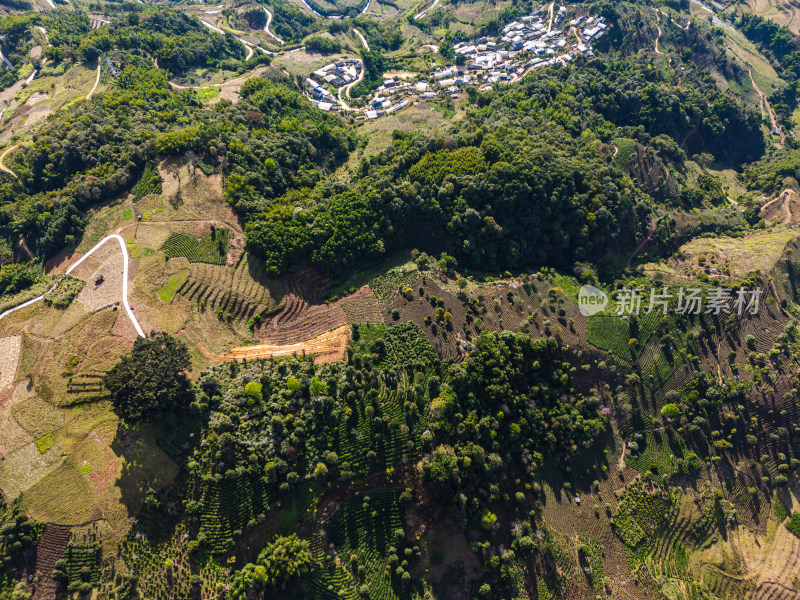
329	353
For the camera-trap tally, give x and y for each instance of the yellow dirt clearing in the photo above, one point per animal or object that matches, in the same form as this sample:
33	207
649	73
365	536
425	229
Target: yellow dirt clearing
328	347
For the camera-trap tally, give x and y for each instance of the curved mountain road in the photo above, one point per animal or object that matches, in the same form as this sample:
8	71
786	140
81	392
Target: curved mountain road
5	60
362	38
128	308
96	81
421	15
765	103
5	153
266	27
346	88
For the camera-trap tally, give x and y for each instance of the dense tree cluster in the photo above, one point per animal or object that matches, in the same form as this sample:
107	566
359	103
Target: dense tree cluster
378	35
15	277
517	196
273	426
521	182
88	157
16	44
269	143
283	560
290	22
508	407
322	45
18	537
151	380
178	41
768	174
626	94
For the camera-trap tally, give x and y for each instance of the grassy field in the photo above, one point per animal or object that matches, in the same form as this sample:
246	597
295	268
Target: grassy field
756	251
418	118
175	281
299	62
63	496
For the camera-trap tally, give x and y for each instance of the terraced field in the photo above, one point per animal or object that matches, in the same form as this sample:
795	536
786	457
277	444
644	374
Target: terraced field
367	528
785	12
241	292
362	307
209	249
51	548
304	315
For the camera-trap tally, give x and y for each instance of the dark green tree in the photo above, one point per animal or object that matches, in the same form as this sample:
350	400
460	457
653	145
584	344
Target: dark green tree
151	379
285	559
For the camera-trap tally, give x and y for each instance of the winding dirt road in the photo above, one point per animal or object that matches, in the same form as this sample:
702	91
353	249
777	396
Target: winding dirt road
247	44
658	39
212	27
3	166
96	81
234	81
764	102
362	38
266	27
650	231
784	198
128	308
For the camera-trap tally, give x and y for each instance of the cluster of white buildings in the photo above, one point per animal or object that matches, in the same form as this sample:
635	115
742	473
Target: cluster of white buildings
535	41
336	75
532	42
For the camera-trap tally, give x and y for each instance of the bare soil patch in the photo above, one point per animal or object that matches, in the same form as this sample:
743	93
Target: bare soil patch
51	548
510	305
10	350
327	347
784	209
106	262
304	315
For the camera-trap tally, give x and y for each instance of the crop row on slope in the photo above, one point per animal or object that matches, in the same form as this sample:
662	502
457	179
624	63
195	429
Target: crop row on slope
368	533
210	249
149	183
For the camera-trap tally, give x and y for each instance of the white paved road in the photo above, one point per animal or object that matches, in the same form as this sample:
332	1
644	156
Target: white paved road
128	308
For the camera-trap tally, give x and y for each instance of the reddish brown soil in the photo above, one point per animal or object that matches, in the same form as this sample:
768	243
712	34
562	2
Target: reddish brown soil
51	547
304	315
326	347
61	261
